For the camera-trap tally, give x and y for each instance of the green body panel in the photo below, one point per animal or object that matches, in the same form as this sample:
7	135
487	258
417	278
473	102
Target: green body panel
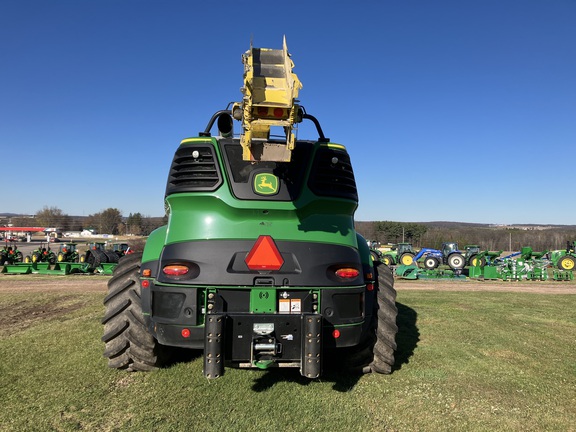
219	215
154	244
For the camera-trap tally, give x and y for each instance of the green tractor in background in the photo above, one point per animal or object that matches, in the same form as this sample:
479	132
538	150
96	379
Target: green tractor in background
98	254
565	259
401	253
259	265
42	254
10	254
68	252
476	257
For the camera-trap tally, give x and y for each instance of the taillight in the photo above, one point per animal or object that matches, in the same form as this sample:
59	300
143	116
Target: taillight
347	273
175	270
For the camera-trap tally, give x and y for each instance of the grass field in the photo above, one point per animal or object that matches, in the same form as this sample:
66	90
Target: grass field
466	361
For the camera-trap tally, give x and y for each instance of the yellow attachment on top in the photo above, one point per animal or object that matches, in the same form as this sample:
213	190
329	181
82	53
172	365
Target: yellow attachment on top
270	91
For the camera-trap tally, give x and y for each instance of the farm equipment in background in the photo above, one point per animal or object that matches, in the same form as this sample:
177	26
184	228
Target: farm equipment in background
449	255
565	259
68	252
529	265
475	257
42	254
401	253
99	258
259	264
121	249
10	254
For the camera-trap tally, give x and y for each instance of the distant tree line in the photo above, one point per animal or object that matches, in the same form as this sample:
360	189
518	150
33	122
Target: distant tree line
487	237
108	221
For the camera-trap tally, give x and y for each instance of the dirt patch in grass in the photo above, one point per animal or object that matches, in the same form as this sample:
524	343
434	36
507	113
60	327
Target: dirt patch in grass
535	287
24	314
44	283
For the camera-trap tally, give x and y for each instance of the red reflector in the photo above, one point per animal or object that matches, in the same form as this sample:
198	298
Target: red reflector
264	255
347	273
336	334
262	111
370	287
278	112
185	333
145	284
175	270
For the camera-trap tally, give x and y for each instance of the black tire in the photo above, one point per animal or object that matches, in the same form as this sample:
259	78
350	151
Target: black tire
129	345
477	262
456	261
388	260
385	323
36	257
431	263
406	259
376	352
95	258
567	262
112	257
375	256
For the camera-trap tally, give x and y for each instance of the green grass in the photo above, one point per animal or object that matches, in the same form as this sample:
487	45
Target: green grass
467	361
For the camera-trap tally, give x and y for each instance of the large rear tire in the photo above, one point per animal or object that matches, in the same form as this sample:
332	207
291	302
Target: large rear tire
388	260
456	261
376	352
567	262
129	345
385	322
406	259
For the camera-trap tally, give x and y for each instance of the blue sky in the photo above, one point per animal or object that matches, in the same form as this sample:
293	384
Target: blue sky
451	110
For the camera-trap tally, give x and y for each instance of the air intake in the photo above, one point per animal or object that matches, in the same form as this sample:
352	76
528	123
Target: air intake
194	169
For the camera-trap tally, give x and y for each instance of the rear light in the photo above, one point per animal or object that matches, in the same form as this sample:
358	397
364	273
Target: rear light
347	273
175	270
185	333
336	334
147	272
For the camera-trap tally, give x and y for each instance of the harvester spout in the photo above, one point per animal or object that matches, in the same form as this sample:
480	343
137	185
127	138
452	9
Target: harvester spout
269	100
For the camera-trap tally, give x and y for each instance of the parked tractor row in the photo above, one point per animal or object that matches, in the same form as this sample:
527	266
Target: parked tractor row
96	253
472	256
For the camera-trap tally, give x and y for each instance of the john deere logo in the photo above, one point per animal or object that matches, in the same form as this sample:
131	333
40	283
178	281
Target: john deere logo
265	184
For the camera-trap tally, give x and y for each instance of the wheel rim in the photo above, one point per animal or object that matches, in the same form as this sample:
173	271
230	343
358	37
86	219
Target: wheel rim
567	264
407	260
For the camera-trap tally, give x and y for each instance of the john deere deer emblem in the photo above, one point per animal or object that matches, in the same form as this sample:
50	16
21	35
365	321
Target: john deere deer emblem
265	184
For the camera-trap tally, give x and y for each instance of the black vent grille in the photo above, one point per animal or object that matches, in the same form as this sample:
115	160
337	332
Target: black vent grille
191	172
332	174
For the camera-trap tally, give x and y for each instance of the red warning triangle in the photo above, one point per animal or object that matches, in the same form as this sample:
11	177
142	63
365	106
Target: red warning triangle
264	255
